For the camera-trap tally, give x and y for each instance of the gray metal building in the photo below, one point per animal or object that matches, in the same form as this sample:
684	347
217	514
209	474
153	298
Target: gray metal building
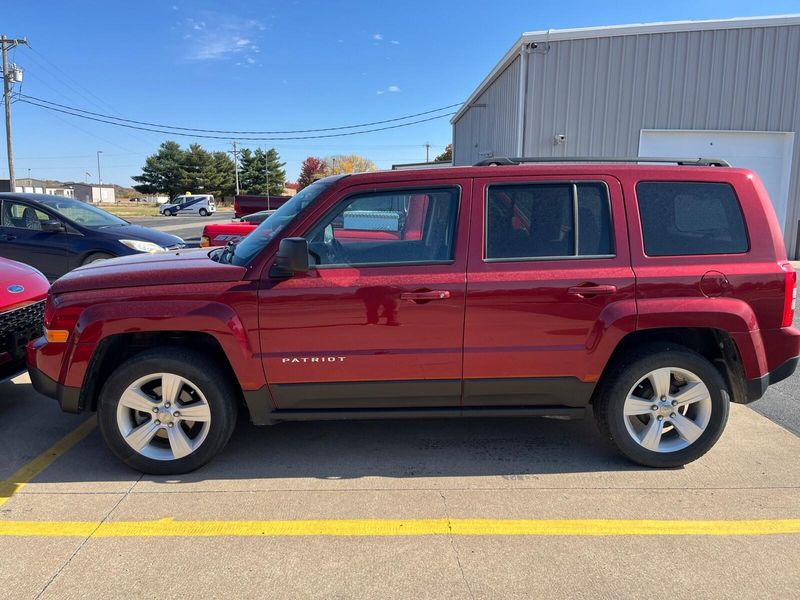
727	89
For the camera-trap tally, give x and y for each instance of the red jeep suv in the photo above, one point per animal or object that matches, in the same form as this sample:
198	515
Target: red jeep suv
654	293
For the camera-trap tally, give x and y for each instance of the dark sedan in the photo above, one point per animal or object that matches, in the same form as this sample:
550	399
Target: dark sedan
57	234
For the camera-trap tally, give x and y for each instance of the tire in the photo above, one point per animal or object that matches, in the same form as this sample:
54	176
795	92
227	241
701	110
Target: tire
649	434
95	257
164	448
203	212
173	212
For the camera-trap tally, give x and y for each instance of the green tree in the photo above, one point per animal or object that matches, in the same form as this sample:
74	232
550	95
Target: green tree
253	167
162	172
173	170
447	155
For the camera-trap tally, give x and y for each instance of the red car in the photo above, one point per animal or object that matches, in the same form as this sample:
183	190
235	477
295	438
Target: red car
22	293
220	234
654	294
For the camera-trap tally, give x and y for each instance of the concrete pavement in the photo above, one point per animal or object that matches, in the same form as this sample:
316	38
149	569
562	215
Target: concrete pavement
371	472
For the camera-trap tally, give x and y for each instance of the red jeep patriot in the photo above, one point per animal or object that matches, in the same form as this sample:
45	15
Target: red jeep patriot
654	294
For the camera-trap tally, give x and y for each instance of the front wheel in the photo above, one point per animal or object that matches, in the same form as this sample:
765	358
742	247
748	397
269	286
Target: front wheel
666	408
167	411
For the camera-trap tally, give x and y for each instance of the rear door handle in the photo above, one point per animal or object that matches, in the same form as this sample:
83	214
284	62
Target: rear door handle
425	296
584	291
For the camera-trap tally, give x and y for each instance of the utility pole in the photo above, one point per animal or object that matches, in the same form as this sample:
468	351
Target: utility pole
427	153
266	173
99	179
10	76
236	165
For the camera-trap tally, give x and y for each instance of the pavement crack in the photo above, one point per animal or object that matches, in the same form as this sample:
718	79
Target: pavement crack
454	547
88	537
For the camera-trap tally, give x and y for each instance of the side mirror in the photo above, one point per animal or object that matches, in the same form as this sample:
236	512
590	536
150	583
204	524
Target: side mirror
53	226
292	257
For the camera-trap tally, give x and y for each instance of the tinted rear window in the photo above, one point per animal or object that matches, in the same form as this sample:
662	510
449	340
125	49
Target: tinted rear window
687	218
539	220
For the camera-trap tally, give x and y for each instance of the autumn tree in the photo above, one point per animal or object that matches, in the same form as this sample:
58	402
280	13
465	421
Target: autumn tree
447	155
348	163
312	169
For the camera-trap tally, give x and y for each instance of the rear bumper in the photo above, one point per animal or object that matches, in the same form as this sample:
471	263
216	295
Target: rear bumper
758	386
68	397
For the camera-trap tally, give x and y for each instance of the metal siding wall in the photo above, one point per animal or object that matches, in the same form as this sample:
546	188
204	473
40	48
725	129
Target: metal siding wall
495	130
602	92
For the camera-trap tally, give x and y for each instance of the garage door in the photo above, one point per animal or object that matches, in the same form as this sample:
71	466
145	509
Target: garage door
767	153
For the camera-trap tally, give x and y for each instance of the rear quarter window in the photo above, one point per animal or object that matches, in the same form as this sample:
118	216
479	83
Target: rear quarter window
690	218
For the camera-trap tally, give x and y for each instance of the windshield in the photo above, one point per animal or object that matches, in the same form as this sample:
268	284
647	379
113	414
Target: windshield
81	213
274	224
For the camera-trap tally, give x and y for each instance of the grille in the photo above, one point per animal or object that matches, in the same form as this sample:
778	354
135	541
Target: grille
19	326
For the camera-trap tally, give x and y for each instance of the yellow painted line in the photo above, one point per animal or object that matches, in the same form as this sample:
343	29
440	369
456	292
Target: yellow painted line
17	481
399	527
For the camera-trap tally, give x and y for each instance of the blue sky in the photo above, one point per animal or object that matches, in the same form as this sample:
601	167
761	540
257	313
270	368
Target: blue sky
247	65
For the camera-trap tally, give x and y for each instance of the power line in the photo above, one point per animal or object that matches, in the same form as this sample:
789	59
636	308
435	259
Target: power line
104	116
220	137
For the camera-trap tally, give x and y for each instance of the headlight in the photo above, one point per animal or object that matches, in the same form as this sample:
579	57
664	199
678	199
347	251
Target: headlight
141	246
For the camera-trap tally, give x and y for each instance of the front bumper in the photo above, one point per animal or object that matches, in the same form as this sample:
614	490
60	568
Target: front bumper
68	397
757	387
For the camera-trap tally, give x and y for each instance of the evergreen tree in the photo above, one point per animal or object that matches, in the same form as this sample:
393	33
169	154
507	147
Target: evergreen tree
162	172
253	172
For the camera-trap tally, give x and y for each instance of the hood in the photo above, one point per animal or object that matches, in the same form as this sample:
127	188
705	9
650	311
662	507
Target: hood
137	232
15	275
185	267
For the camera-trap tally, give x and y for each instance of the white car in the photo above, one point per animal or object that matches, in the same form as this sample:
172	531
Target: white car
202	205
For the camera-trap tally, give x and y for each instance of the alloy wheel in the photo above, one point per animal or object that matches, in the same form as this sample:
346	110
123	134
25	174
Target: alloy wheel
667	410
163	416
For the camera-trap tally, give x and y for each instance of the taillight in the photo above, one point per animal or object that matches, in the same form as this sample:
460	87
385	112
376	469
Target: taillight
204	241
789	294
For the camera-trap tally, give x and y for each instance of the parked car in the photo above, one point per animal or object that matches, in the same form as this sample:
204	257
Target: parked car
219	234
654	294
56	234
202	205
247	205
22	293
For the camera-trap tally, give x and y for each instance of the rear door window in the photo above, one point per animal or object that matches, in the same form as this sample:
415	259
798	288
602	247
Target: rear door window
532	221
690	218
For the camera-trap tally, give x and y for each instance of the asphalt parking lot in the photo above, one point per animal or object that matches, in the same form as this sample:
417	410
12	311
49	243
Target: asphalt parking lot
189	228
415	509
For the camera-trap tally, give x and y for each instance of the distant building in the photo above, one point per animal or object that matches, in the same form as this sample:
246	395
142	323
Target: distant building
724	89
94	193
36	186
290	189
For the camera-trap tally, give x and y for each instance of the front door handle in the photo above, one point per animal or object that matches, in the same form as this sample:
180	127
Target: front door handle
425	296
586	291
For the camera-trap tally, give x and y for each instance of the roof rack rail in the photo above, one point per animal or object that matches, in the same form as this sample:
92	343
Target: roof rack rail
696	162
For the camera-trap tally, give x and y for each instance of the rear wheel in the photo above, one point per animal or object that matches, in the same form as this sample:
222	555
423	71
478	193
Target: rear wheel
167	411
203	212
665	408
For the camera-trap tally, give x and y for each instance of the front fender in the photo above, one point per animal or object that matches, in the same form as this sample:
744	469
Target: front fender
100	321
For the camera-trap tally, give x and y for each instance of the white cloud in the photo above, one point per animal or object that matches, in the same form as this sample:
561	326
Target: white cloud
174	7
380	92
395	42
228	37
377	36
250	60
393	88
